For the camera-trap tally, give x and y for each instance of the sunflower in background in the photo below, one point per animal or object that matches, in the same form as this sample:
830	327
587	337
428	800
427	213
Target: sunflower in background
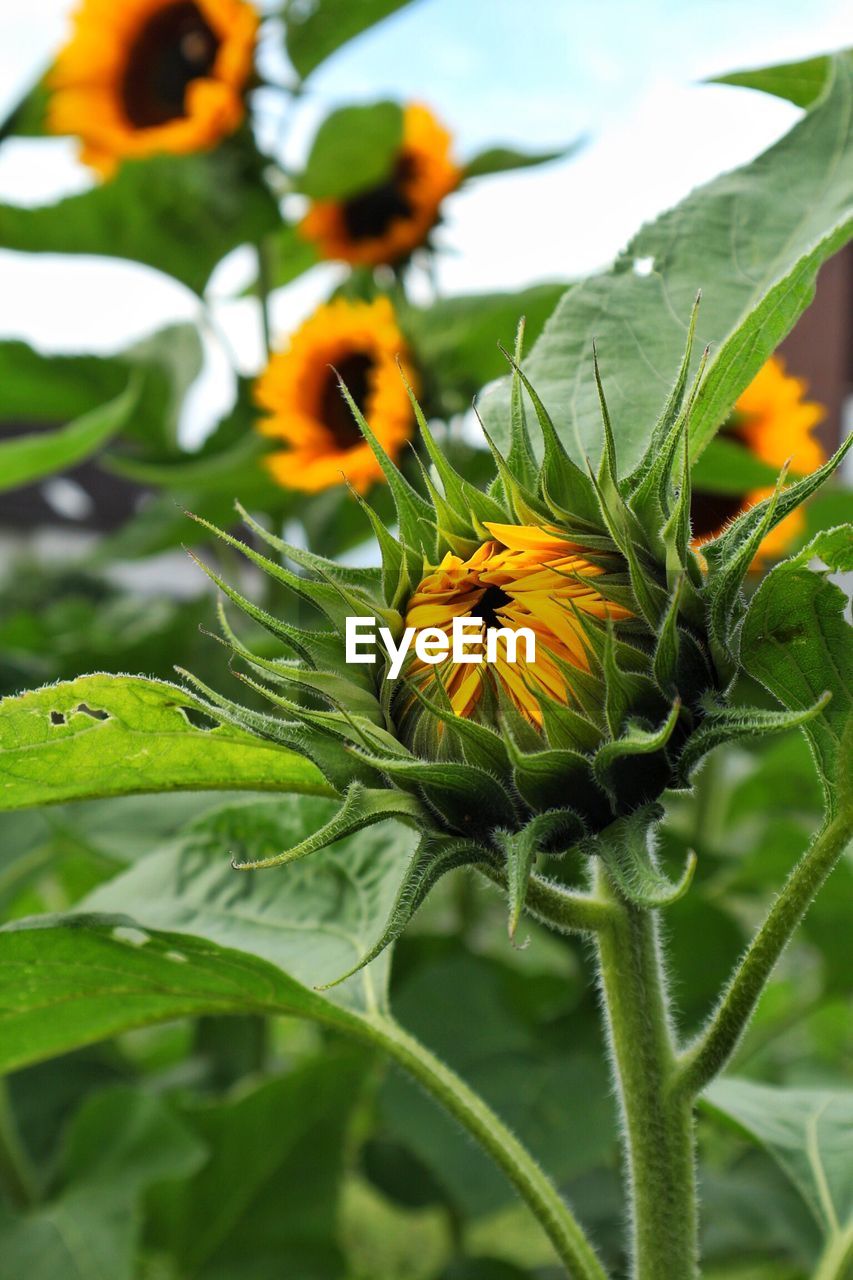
385	223
360	343
774	421
144	76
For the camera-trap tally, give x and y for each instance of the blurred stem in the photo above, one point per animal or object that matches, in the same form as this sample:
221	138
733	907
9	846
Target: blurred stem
17	1177
657	1128
836	1258
477	1118
264	291
706	1058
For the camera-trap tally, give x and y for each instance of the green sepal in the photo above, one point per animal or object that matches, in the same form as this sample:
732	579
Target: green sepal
521	848
565	488
361	808
668	643
414	513
670	412
625	849
626	693
730	555
567	728
402	568
330	598
547	779
480	745
433	858
614	759
521	458
460	493
465	798
327	753
733	724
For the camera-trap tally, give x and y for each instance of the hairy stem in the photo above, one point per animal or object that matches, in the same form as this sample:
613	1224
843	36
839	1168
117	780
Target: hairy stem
17	1179
704	1059
533	1185
657	1128
562	909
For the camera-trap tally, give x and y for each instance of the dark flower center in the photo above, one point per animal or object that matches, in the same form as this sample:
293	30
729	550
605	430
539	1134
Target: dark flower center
175	47
370	214
492	600
710	511
335	413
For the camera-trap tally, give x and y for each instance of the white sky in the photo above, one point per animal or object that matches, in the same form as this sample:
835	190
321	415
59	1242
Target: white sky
625	72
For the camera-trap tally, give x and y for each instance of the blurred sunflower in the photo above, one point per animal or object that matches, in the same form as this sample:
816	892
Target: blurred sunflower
774	421
358	343
387	222
145	76
526	577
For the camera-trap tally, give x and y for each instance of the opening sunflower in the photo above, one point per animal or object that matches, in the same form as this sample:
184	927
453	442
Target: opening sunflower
527	577
774	422
148	76
387	222
359	344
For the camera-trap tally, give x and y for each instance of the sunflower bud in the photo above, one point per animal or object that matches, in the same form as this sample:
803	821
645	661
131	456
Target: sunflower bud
506	756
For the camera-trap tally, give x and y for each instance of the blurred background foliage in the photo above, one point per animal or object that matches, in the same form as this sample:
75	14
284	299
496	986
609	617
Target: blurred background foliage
258	1146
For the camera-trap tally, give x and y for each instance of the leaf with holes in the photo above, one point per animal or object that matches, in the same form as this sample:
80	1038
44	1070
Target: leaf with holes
106	735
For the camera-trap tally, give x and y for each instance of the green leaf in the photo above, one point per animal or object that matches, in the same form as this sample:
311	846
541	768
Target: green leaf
27	117
91	977
277	1215
51	389
314	919
455	340
807	1131
799	82
105	735
26	459
752	240
727	467
179	214
314	31
120	1144
506	159
501	1032
798	643
354	149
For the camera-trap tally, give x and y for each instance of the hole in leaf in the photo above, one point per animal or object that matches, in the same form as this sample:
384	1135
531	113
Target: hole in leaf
643	266
95	712
57	717
199	719
126	933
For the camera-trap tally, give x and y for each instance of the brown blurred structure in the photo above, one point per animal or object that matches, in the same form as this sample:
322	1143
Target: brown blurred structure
820	347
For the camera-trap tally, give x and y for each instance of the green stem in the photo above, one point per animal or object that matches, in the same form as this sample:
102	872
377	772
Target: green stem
264	291
560	908
657	1128
704	1060
836	1259
17	1178
533	1185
